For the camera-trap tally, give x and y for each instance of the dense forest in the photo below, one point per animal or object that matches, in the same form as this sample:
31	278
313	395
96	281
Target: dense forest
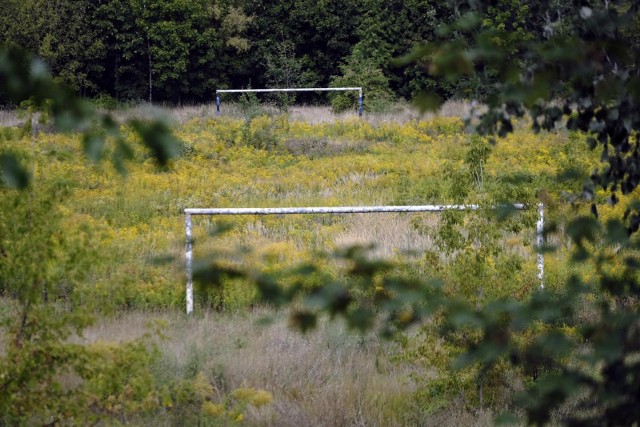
180	51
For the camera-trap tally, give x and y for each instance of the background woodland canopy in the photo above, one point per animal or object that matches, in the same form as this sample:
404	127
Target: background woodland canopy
181	51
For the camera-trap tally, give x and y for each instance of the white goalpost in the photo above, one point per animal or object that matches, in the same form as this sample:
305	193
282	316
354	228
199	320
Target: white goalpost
302	89
339	210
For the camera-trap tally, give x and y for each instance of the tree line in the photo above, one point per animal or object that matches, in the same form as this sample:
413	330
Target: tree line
181	51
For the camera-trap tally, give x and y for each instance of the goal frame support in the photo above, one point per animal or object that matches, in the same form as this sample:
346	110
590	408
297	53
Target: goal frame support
302	89
189	212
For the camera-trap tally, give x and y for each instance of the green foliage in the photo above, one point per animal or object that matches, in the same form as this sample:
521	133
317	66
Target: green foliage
36	357
250	105
45	378
284	70
316	37
581	70
105	101
476	158
366	65
26	79
182	50
44	375
179	46
42	255
60	35
262	132
361	71
134	50
13	174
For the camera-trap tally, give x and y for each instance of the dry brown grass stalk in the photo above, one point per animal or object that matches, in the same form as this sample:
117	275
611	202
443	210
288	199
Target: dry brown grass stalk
10	118
399	112
391	234
329	377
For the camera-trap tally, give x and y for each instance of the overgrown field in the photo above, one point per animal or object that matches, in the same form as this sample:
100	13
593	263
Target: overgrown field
115	243
130	221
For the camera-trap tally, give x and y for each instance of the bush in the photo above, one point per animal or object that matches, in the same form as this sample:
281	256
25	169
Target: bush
361	72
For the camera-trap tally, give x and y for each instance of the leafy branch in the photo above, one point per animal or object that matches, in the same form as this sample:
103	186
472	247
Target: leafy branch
26	79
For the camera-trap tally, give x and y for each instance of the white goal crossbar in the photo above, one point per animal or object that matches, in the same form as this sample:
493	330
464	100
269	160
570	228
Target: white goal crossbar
340	210
301	89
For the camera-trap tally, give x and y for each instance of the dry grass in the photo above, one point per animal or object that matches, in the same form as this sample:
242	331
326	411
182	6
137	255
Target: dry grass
455	109
399	112
177	115
391	234
330	377
10	118
183	114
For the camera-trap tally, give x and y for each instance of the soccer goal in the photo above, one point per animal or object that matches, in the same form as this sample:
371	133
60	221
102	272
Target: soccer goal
302	89
189	212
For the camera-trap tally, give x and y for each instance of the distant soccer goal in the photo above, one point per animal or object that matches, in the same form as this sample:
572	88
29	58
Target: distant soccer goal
303	89
340	210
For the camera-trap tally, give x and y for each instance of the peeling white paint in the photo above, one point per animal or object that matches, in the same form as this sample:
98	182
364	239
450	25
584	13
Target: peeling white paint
340	210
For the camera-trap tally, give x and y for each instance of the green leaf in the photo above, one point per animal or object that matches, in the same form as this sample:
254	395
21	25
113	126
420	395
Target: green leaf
270	290
580	255
632	262
156	135
468	21
463	316
110	126
333	298
340	301
212	274
554	342
70	114
303	320
14	174
413	56
93	144
616	233
428	102
572	173
505	418
121	153
304	270
583	229
361	319
484	352
220	228
504	212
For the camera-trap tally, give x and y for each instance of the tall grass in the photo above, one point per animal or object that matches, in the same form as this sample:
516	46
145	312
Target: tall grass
391	235
308	157
398	113
328	377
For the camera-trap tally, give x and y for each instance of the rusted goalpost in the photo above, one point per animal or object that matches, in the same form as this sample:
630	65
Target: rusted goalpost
340	210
